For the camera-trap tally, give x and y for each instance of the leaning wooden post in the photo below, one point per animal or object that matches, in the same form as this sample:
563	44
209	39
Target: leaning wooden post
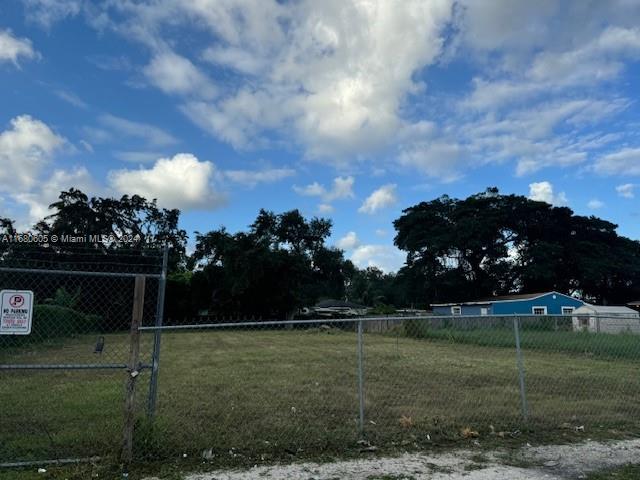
132	371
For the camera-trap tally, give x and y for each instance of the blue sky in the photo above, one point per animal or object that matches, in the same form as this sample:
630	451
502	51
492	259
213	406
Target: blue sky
351	110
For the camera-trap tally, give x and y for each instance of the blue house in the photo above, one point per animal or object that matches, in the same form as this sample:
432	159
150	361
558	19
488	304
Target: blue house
547	303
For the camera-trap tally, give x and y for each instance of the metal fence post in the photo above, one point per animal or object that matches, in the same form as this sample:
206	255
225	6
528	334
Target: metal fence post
132	371
155	357
523	396
360	379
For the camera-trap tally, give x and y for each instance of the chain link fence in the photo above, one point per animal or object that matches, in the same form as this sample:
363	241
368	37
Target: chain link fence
264	391
238	392
62	386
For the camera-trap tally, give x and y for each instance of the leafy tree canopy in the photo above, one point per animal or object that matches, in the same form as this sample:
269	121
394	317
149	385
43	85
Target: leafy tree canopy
491	243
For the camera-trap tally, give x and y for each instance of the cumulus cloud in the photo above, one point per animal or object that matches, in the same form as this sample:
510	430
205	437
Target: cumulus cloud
348	242
623	162
182	182
173	73
253	177
343	80
383	197
626	190
341	188
334	74
595	204
39	199
25	149
386	257
12	48
543	192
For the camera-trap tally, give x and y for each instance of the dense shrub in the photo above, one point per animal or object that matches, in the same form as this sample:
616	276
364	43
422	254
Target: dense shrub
54	321
58	321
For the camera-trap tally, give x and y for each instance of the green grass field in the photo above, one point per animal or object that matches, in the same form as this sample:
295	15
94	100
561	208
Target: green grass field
260	395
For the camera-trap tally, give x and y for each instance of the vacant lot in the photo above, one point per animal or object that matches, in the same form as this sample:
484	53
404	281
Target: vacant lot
260	395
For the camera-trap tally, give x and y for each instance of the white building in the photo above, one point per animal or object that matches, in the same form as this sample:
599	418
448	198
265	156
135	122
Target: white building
606	319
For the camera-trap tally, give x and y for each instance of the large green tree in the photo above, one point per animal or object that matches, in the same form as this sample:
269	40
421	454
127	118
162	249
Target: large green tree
278	266
491	243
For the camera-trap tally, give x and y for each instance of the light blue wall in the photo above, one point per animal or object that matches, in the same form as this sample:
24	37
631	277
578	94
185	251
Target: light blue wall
466	309
554	305
523	307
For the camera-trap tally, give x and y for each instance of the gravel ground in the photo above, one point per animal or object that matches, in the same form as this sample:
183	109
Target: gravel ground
552	462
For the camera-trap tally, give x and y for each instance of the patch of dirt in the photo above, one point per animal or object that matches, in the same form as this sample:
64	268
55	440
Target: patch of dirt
552	462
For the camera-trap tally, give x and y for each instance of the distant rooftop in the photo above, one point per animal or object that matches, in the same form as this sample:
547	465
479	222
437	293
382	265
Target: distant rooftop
498	298
338	304
518	296
605	309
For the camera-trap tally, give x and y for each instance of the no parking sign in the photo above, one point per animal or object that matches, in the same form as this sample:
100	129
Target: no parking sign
16	312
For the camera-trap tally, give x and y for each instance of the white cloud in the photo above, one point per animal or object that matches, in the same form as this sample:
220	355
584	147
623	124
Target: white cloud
383	197
543	192
182	182
381	232
348	242
622	162
312	190
152	135
595	204
25	149
595	61
342	188
541	72
325	208
71	98
435	159
535	137
235	58
47	192
137	157
330	75
386	257
253	177
626	190
12	48
47	12
173	73
342	78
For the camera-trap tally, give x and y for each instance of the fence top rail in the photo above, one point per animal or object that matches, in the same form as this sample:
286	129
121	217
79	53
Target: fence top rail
78	272
319	321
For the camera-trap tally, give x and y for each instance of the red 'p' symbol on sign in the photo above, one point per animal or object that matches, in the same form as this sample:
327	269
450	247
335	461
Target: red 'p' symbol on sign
16	301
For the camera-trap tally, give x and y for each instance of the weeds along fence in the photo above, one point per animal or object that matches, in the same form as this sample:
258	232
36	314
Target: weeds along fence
62	387
260	391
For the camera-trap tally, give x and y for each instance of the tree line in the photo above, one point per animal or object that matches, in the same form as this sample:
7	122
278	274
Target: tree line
457	249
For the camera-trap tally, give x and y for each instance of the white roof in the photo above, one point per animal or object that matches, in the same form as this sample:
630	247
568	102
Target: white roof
604	309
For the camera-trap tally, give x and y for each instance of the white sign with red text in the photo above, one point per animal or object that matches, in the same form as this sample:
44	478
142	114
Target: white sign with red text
16	312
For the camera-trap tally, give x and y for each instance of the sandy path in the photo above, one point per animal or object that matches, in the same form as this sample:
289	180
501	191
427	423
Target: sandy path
553	462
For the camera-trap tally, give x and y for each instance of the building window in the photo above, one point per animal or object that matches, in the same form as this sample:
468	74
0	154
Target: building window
539	310
567	310
584	322
456	310
484	311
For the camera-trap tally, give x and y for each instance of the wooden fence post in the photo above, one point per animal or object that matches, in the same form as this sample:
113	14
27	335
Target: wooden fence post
132	371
